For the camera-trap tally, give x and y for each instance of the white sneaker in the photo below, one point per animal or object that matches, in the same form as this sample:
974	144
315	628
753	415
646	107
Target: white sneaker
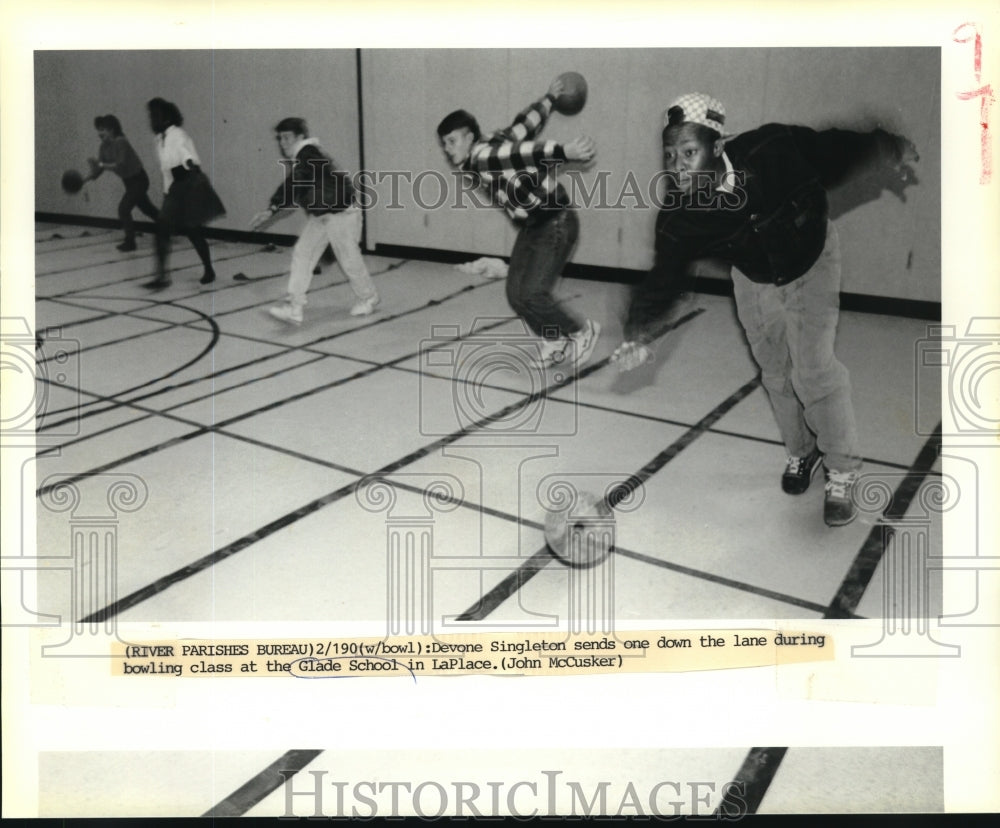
583	342
839	507
552	352
365	307
288	312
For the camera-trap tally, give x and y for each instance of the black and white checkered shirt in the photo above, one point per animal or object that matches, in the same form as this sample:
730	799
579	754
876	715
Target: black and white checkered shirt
517	171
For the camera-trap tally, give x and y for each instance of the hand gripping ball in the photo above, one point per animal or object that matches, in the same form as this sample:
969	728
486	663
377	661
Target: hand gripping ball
583	535
574	95
72	181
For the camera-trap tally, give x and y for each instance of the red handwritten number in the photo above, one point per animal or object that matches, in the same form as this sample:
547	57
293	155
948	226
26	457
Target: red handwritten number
984	93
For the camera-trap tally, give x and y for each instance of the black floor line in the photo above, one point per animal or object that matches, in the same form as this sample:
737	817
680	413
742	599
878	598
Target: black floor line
703	575
93	434
312	291
265	531
541	558
745	793
220	426
75	298
849	594
114	402
263	784
65	326
639	415
42	491
511	583
213	330
166	413
506	588
135	402
246	415
109	262
92	241
853	587
382	319
502	515
164	326
126	279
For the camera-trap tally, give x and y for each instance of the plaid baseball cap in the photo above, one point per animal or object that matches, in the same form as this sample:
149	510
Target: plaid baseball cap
697	108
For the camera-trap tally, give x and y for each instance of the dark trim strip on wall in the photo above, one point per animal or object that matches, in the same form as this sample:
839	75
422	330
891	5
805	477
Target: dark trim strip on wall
222	234
712	285
361	142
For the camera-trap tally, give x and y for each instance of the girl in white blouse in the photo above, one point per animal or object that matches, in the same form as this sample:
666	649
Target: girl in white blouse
189	200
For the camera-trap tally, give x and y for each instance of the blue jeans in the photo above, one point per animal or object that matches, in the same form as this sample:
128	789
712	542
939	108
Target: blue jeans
536	262
791	330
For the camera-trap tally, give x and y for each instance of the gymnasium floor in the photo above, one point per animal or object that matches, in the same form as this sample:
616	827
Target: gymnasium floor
251	439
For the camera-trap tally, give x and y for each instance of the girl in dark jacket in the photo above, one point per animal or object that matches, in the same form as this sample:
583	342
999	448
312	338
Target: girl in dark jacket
116	154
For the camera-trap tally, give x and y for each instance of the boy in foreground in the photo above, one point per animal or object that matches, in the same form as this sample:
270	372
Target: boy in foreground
758	202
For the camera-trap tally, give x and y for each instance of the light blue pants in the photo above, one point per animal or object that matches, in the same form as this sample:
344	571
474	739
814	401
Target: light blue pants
791	330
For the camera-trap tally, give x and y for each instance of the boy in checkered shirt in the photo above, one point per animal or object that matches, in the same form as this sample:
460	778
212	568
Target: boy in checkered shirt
758	202
519	172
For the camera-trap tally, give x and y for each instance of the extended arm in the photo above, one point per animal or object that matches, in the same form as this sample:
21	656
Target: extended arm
839	154
649	303
531	119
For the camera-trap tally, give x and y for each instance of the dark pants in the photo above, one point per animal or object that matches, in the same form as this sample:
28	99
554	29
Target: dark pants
136	195
164	230
540	252
177	218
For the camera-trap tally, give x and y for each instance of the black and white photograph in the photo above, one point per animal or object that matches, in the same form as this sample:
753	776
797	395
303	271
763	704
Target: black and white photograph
605	342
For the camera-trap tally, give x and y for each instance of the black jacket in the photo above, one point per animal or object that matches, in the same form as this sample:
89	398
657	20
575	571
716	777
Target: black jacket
772	226
314	183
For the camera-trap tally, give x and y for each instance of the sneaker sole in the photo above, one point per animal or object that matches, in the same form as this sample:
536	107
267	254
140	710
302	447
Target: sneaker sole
284	319
835	524
367	312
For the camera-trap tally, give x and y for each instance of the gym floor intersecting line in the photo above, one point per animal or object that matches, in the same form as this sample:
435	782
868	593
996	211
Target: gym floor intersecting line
758	769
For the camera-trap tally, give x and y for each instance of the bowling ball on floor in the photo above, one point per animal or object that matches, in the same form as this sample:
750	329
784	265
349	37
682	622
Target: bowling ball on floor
583	535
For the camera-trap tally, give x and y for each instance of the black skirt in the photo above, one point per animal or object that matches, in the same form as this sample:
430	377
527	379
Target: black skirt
191	200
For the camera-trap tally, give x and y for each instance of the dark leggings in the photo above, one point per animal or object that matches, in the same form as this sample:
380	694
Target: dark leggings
173	221
136	195
165	229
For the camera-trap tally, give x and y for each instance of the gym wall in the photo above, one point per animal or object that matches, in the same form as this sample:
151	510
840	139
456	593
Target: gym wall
889	249
232	98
